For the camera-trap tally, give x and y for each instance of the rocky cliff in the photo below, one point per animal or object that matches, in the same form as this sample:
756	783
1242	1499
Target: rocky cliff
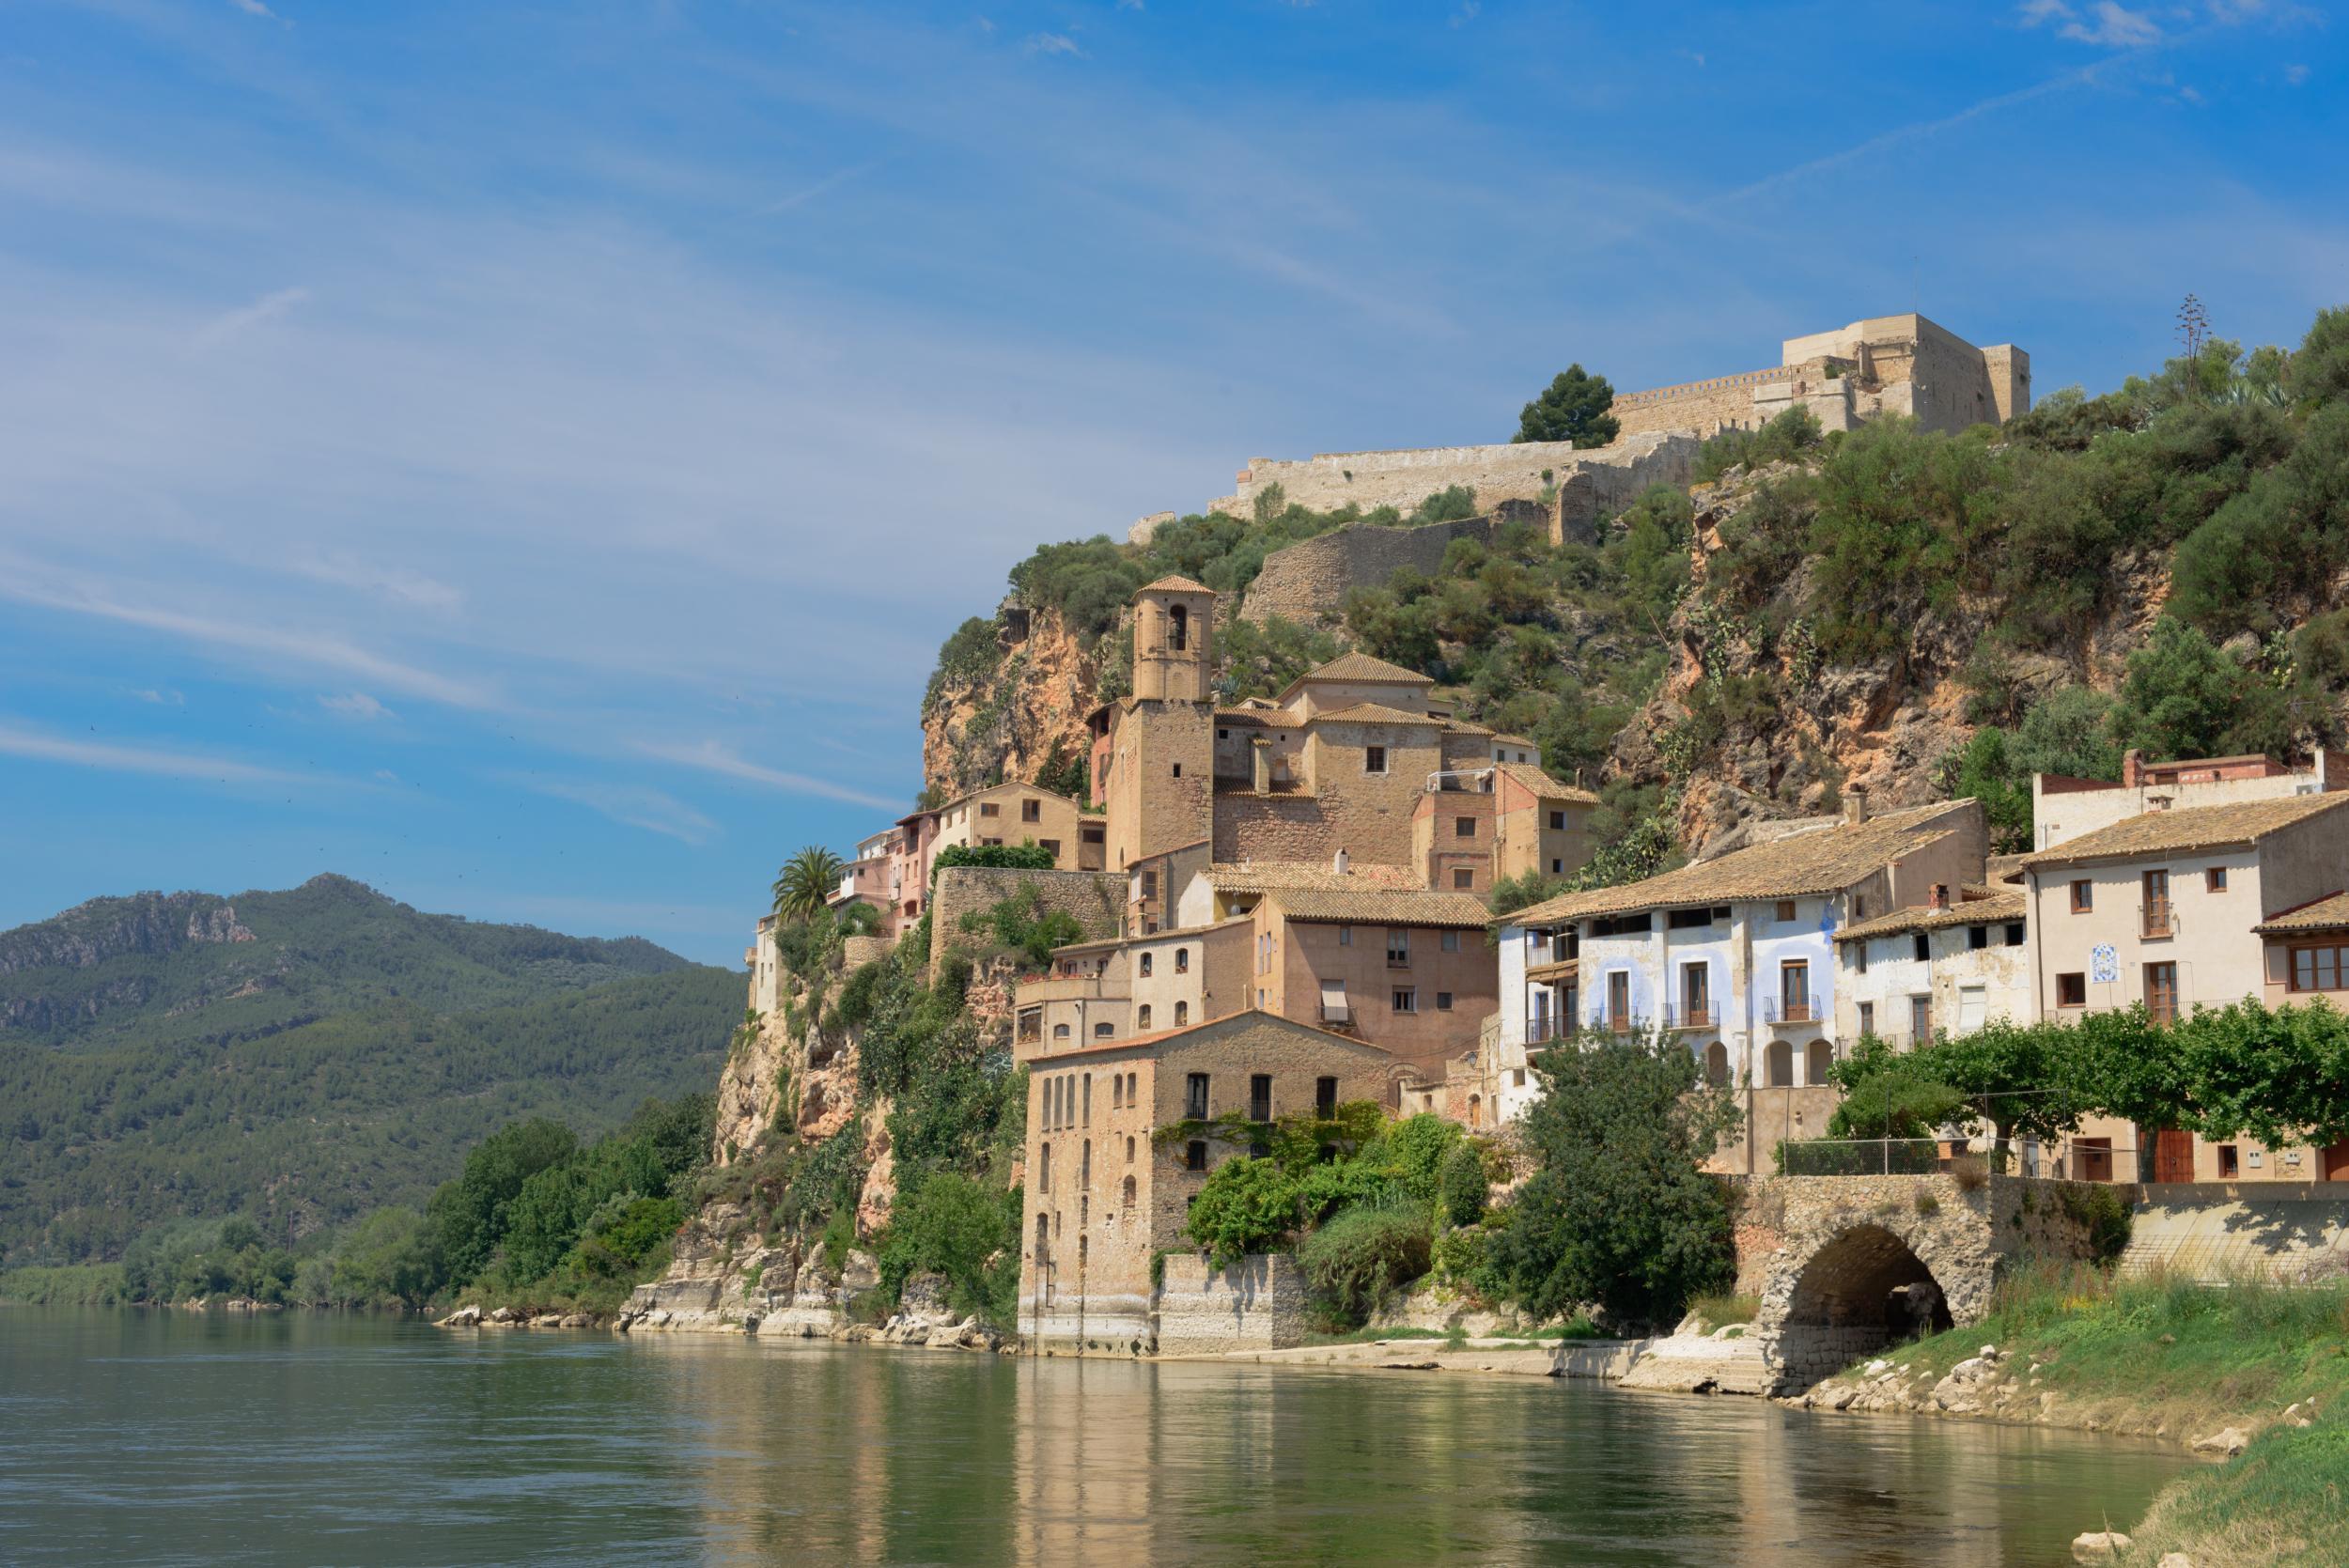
1021	715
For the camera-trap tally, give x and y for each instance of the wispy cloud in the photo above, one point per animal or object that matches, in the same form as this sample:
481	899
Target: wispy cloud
18	742
713	757
830	182
268	308
397	584
357	705
2114	25
635	805
254	7
1053	43
159	696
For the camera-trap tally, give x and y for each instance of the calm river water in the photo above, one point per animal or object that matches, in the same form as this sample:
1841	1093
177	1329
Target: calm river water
154	1436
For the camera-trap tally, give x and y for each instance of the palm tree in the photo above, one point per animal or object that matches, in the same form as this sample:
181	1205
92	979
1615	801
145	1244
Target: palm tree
807	883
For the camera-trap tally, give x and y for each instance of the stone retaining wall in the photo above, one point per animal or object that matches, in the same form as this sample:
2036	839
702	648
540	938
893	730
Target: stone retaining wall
1095	898
1256	1304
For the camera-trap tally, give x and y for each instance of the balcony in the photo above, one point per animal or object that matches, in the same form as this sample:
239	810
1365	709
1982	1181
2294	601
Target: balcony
1697	1015
1604	1022
2156	921
1789	1009
1338	1015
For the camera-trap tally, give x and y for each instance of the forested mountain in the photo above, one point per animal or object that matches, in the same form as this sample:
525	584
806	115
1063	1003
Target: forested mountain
301	1056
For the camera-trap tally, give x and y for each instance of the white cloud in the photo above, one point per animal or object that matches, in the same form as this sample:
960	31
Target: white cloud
397	584
357	705
2114	25
716	757
1053	43
254	7
268	308
2295	74
634	805
1470	11
109	757
2033	12
160	698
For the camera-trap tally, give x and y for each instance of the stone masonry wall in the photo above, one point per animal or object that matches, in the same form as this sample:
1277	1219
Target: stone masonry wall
1095	898
1508	472
1256	1304
1309	581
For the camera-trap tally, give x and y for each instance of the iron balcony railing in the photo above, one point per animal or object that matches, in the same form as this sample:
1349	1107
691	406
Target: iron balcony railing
1789	1009
2156	919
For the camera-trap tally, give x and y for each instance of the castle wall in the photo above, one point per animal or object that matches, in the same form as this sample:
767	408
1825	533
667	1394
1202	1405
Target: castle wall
1605	477
1095	899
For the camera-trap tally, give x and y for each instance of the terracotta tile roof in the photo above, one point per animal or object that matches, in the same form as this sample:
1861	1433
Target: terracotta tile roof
1382	906
1815	861
1465	726
1263	718
2184	828
1526	741
2004	904
1543	785
1377	713
2324	914
1359	667
1267	875
1175	585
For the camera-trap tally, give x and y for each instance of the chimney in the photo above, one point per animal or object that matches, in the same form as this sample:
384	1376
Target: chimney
1261	747
1337	862
1856	803
2132	768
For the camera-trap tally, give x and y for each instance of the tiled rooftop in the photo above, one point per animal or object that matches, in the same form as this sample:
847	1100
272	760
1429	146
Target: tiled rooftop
2186	829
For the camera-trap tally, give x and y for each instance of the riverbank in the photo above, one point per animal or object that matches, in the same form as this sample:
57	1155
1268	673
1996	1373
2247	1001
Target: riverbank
2254	1373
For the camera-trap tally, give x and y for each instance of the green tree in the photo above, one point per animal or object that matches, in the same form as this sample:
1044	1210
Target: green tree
2184	697
1572	408
806	884
953	1225
2318	371
1619	1212
470	1215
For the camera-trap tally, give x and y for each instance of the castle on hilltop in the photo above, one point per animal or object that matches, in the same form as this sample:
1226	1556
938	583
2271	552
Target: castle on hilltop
1903	365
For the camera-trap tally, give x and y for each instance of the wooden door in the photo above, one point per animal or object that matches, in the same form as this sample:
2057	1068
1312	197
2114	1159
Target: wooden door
2336	1162
2173	1155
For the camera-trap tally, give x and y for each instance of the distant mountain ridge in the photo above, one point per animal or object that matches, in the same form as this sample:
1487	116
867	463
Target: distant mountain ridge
301	1056
201	965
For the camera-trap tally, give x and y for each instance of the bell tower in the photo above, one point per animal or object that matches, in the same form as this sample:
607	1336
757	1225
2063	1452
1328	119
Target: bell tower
1174	640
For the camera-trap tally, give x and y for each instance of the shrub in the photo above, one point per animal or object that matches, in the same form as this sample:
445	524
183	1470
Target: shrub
1006	857
1464	1186
1356	1261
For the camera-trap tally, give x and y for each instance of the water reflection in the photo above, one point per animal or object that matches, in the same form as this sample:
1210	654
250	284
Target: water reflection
162	1437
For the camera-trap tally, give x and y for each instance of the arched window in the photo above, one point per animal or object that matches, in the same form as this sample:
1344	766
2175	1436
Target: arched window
1182	1014
1177	628
1117	1091
1142	1017
1059	1032
1146	966
1815	1061
1044	1168
1088	1100
1128	1193
1781	1064
1182	960
1129	1155
1717	1065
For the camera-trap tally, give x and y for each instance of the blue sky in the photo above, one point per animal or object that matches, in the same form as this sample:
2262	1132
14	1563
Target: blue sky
527	458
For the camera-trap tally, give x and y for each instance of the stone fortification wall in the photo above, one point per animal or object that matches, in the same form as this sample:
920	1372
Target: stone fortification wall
1309	581
1095	898
1256	1304
1605	477
1703	407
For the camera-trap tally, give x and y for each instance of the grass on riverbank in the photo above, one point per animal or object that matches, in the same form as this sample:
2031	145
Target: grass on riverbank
2282	1503
89	1284
1577	1328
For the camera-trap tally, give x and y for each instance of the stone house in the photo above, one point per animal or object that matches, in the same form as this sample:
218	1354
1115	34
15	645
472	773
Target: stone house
1108	990
1912	976
1734	956
2306	959
2170	909
1104	1195
1475	826
2067	808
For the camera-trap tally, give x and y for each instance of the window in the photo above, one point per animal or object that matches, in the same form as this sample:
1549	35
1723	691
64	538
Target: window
2214	879
1345	936
1182	1014
1059	1032
2156	905
2072	990
1182	960
1032	1023
2014	933
1087	1117
1920	1021
1196	1156
1557	866
1786	910
1688	920
2319	969
1406	998
1260	1097
1374	759
1091	835
1196	1096
1450	942
1133	1094
1126	1195
1463	878
1050	847
1149	884
1117	1091
1444	1002
988	808
1398	945
1619	999
1142	1017
1179	769
1696	995
1044	1168
1084	1166
1464	827
1030	810
1623	926
1177	628
1922	946
2083	896
1145	966
1859	957
1325	1097
2229	1163
2161	992
1130	1148
1859	907
1867	1017
1973	1008
1558	821
1103	1030
1977	937
1794	990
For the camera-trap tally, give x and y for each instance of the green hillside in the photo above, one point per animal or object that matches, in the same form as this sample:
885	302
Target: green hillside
303	1056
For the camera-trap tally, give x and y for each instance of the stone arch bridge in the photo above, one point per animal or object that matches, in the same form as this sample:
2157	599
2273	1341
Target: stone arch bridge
1846	1265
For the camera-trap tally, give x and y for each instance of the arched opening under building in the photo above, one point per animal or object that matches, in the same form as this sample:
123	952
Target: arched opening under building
1717	1065
1857	1293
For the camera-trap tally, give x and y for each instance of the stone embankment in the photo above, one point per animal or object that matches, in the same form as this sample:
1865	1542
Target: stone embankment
923	1317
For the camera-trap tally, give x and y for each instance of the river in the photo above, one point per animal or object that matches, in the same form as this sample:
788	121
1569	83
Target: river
160	1436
